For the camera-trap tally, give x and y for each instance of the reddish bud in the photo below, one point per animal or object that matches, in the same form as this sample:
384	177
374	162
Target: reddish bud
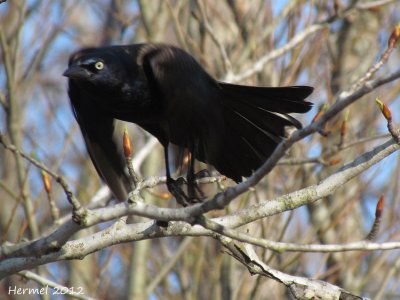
385	109
317	116
165	196
394	37
379	207
336	6
378	213
334	161
343	128
46	182
127	144
319	113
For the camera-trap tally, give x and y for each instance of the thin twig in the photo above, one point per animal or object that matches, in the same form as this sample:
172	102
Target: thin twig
204	20
373	4
334	150
161	274
78	208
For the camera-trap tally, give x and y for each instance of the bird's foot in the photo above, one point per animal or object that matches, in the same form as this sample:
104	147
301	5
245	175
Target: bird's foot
175	188
194	193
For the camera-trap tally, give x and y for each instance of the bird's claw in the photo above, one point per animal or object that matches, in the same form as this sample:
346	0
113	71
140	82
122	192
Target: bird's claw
194	195
175	188
194	191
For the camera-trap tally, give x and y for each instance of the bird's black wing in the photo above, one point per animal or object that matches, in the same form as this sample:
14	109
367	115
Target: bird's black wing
103	138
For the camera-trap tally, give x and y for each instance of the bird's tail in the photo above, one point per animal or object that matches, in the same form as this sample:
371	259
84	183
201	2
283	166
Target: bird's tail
255	119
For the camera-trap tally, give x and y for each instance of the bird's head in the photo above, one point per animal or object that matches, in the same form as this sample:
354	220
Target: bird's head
97	67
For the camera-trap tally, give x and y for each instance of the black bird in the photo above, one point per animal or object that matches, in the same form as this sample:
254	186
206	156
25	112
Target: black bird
165	91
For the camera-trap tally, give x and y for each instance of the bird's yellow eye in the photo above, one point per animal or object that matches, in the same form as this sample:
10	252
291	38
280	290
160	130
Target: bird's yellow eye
99	65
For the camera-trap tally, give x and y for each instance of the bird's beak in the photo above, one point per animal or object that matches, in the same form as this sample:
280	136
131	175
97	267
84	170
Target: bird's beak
76	72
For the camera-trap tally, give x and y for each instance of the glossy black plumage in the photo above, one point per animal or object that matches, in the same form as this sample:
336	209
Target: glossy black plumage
164	90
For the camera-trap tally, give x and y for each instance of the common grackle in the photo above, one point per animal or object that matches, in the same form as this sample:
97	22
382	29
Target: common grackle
163	89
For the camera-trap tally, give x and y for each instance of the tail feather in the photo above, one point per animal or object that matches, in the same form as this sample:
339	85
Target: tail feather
277	99
260	139
245	146
269	121
255	120
239	158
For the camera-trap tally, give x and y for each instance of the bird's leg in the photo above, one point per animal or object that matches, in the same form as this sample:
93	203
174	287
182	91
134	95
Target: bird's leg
174	186
195	194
